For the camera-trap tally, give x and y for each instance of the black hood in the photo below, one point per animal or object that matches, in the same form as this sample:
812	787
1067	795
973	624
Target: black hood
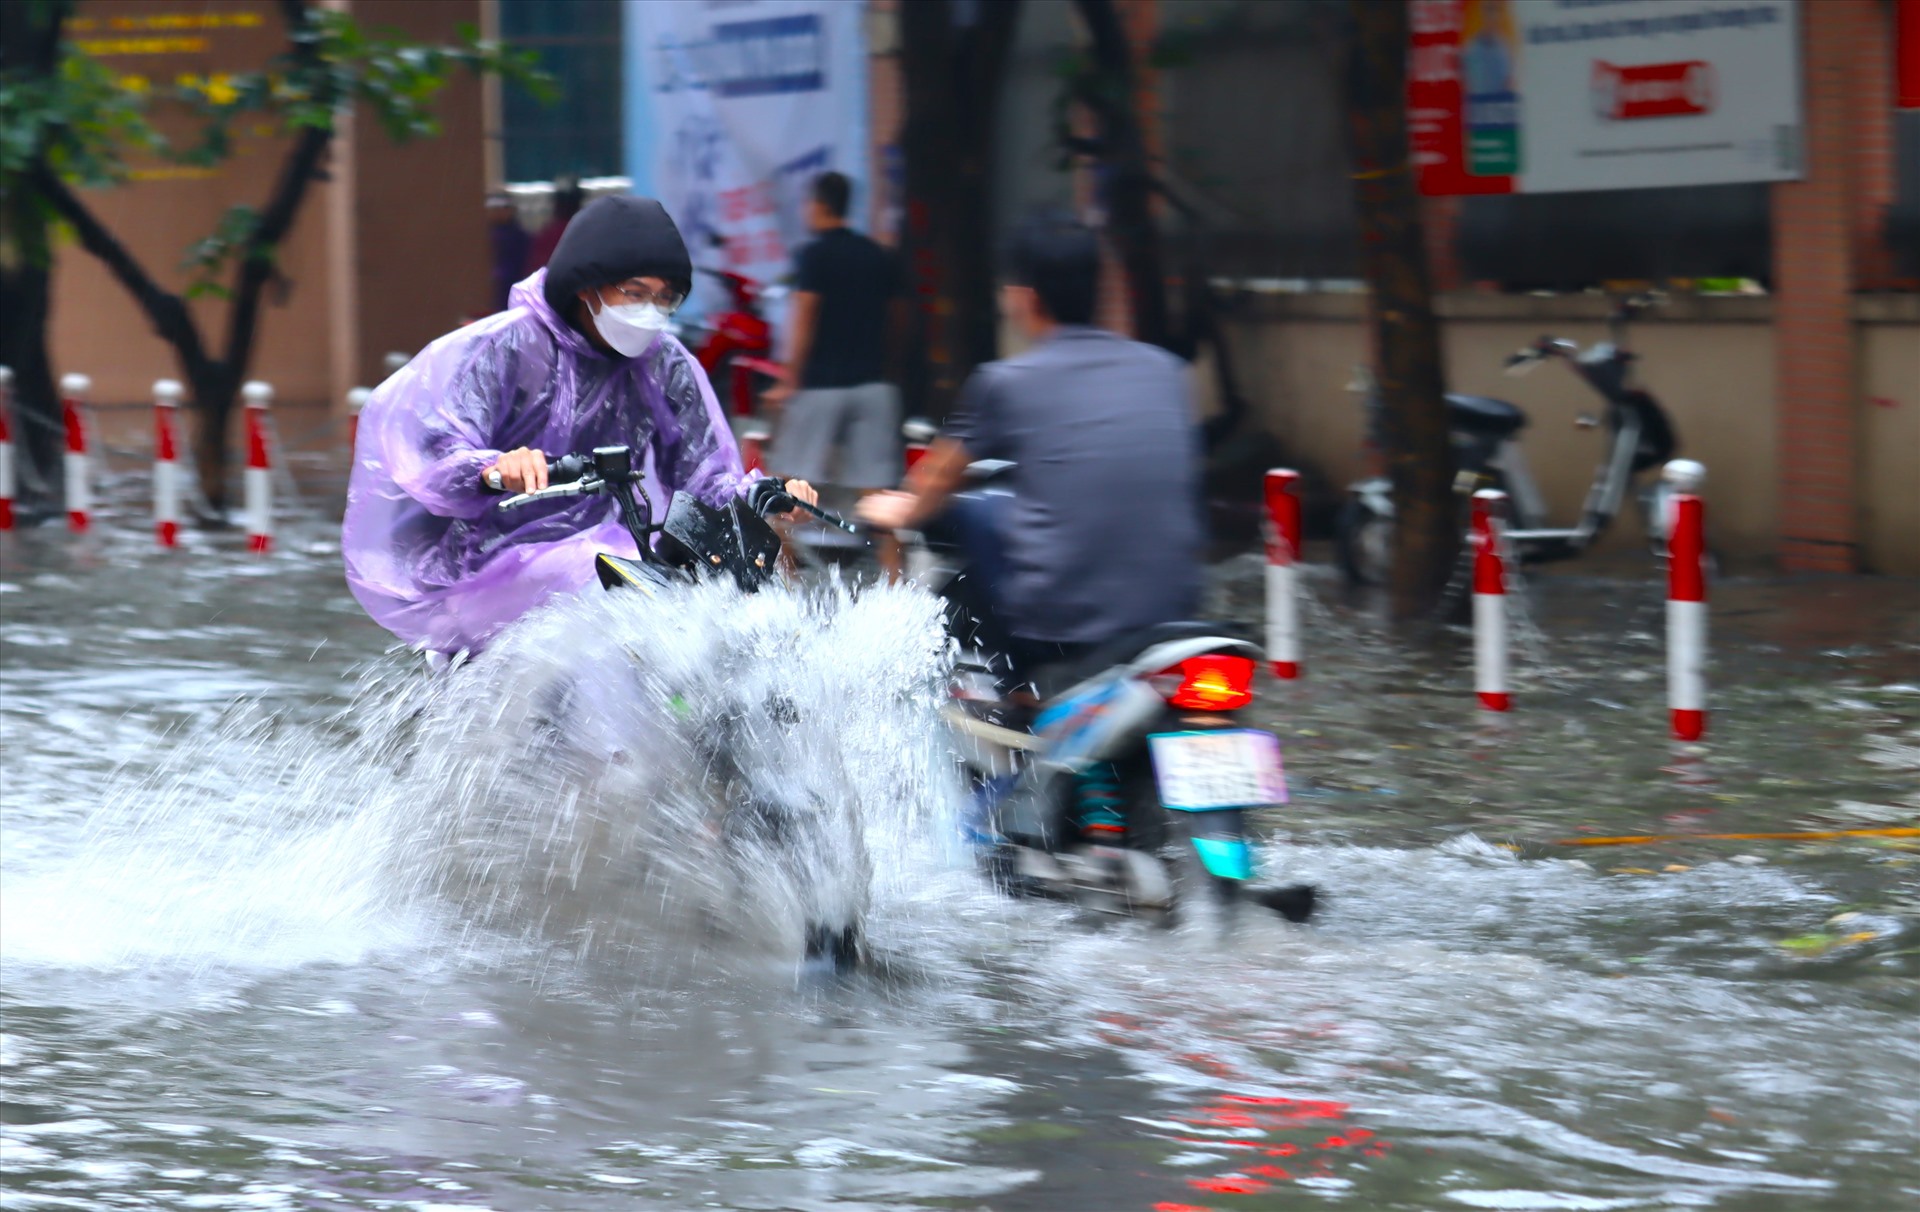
613	239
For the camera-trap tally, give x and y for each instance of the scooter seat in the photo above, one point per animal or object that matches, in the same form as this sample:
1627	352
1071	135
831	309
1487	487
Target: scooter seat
1484	414
1051	680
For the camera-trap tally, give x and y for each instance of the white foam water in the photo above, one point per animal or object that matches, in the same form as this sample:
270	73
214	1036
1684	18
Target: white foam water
621	777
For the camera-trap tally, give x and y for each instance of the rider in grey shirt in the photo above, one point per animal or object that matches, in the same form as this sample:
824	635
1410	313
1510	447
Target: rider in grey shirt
1102	532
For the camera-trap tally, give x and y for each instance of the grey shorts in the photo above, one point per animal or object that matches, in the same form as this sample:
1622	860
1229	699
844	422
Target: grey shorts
862	422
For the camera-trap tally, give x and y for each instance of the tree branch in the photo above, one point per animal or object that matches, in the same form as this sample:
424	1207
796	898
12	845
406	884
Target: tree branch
167	312
257	264
302	166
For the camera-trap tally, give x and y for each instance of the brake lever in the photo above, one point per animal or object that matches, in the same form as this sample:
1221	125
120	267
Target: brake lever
831	519
553	493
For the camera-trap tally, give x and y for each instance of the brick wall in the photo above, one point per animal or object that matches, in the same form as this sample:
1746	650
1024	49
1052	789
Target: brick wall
886	114
1871	144
1814	250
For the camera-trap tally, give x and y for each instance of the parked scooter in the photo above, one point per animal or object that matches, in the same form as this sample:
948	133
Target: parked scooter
1486	447
1125	782
757	815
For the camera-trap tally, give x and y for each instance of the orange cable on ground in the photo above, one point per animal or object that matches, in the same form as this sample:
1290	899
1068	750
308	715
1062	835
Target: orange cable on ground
1805	836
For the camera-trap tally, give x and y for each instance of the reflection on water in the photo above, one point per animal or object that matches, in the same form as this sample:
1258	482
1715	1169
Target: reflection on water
288	924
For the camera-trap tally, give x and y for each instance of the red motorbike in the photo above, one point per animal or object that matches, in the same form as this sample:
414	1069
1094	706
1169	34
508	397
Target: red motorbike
735	346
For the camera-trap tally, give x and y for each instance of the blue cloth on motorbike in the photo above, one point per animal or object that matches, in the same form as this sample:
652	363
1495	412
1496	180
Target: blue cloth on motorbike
1104	534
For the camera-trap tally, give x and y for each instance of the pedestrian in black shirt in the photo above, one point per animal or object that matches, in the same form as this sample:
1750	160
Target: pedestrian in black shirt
834	390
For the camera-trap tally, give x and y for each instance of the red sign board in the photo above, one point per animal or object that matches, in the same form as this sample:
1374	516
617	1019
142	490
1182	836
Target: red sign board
1908	17
1438	108
1652	90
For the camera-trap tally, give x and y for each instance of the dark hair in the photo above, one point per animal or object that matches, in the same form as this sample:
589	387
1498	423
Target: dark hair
1059	257
568	196
833	191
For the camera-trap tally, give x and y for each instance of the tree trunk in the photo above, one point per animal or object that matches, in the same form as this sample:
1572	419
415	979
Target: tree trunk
30	43
953	58
214	390
26	298
1426	533
1127	185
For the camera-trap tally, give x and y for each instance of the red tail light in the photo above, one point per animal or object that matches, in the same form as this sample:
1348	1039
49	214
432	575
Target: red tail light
1214	682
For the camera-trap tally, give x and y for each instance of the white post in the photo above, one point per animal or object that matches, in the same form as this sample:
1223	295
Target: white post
1687	602
7	485
1283	572
1490	600
356	400
73	400
166	462
258	396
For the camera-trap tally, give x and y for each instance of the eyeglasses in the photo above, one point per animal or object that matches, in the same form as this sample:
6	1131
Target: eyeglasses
666	299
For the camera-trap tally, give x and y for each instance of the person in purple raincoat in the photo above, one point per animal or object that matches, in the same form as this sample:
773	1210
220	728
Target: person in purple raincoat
581	358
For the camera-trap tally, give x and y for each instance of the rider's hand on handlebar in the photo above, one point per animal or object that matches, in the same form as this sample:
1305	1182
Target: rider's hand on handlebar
521	470
765	497
887	510
800	490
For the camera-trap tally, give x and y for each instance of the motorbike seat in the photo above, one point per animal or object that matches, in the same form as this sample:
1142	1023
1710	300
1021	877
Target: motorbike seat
1051	680
1484	415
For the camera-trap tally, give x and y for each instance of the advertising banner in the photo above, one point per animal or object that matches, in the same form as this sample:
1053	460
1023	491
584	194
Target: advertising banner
1550	96
734	107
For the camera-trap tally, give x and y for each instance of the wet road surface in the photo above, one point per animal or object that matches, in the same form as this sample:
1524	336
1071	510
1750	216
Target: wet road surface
226	983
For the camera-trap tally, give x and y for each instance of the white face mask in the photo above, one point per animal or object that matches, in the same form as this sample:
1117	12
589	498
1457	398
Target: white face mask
631	328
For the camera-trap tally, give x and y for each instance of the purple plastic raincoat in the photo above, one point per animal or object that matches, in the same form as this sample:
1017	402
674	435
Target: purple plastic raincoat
427	552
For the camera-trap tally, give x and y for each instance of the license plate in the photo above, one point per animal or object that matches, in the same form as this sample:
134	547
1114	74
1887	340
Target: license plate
1207	771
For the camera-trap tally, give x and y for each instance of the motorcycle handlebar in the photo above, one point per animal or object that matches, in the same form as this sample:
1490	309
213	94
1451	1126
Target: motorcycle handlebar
551	493
770	496
1522	361
566	477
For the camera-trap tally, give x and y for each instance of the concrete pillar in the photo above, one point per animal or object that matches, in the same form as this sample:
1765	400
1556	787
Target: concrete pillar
1814	222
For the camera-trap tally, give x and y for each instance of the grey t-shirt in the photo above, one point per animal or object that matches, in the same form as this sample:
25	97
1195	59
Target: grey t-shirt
1104	533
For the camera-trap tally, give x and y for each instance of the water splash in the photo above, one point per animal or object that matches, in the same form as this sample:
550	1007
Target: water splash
696	762
622	776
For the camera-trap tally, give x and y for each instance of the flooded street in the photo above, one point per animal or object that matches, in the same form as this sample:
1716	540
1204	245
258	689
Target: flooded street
284	925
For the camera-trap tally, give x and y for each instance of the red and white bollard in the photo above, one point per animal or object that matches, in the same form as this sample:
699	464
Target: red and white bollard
257	396
919	434
1687	602
356	400
7	486
166	462
754	436
73	399
1490	599
1283	571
